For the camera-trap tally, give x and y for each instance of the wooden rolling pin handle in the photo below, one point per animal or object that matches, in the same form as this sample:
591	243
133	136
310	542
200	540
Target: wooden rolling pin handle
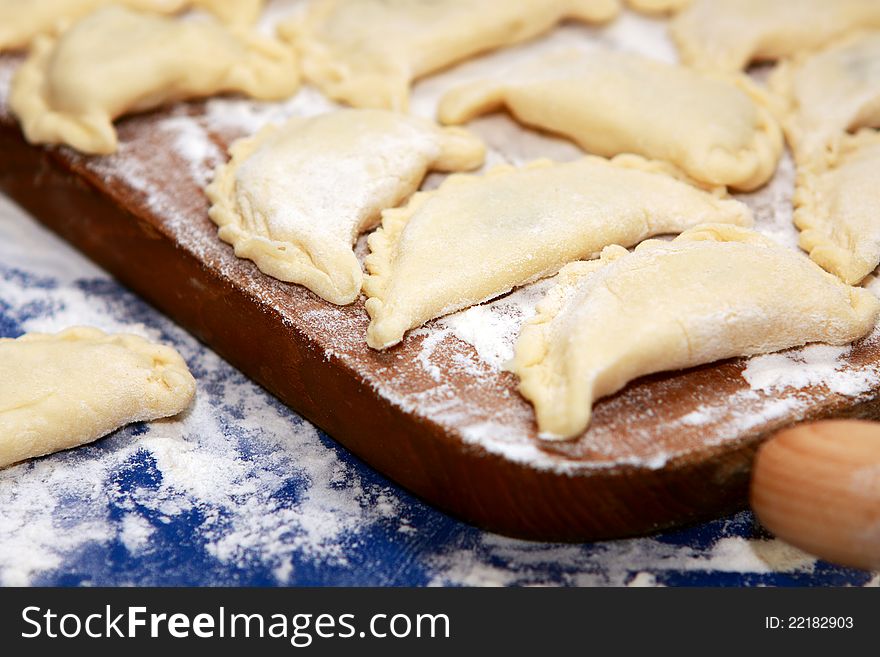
817	486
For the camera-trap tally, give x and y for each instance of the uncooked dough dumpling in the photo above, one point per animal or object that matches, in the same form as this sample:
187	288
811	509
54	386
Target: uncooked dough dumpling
714	292
234	12
367	52
22	21
478	237
117	61
837	207
829	93
727	35
717	130
64	390
295	198
658	6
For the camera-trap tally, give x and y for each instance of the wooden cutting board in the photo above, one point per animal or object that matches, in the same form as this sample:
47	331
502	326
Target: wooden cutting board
436	414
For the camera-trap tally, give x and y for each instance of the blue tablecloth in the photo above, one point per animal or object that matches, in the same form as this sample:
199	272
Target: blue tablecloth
242	491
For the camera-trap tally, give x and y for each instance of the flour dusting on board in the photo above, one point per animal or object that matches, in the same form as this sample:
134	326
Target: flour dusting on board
194	146
492	328
813	365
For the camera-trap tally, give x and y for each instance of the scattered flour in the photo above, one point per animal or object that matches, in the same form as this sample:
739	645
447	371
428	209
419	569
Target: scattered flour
643	580
812	365
492	328
225	461
36	531
615	563
135	533
194	146
246	117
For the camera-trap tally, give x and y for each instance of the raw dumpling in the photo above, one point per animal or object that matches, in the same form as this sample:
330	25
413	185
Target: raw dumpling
715	130
477	237
367	52
837	207
714	292
726	35
234	12
117	61
829	93
21	21
294	198
658	6
60	391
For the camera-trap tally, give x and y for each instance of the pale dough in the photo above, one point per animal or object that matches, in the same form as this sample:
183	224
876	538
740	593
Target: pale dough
21	21
837	207
658	6
63	390
717	130
714	292
367	52
477	237
234	12
117	61
727	35
294	198
828	93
